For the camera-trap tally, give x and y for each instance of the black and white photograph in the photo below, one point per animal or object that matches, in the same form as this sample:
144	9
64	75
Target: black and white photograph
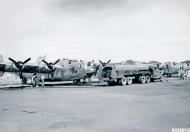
95	66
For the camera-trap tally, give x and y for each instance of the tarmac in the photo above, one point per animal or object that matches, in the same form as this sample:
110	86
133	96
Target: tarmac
153	107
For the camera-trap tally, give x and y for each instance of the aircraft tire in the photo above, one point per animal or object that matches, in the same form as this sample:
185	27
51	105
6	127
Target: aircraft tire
35	81
85	81
77	81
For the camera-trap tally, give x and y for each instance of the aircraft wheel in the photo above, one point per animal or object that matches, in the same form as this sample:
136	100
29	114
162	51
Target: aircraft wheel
129	80
77	81
85	81
147	79
142	79
35	81
123	81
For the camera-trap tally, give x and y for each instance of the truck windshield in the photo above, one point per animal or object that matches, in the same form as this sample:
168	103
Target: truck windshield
106	73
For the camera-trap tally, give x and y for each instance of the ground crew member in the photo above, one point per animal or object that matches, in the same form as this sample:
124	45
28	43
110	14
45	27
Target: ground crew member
42	79
188	74
181	72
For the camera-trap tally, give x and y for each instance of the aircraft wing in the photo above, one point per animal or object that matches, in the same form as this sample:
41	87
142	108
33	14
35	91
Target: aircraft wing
35	69
26	68
7	68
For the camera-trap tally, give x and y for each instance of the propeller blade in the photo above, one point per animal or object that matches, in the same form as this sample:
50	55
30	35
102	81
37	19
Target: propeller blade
108	62
100	61
56	61
27	60
52	74
45	62
12	60
20	75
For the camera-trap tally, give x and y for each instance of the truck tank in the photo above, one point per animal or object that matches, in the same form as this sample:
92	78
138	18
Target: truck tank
126	74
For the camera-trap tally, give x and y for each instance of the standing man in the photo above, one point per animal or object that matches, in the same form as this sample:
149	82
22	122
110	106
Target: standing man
188	74
181	73
42	79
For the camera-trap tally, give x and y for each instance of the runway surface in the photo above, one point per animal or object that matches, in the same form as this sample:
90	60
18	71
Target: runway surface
153	107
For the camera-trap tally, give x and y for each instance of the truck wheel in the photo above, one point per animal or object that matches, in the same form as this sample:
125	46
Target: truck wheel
142	79
147	79
129	80
123	81
152	79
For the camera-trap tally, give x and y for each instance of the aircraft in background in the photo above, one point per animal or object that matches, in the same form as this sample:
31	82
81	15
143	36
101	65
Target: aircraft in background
172	68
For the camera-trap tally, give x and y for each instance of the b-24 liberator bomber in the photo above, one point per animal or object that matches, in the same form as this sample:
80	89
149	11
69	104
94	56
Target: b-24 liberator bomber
51	71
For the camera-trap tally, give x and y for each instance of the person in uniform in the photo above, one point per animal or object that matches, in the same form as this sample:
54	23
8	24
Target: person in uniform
181	73
188	74
42	79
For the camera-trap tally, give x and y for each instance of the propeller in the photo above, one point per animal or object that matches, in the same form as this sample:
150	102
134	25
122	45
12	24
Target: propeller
20	65
104	63
51	65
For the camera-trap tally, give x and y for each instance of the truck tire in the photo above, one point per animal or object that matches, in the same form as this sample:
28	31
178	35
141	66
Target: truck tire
123	81
152	80
129	80
147	79
142	79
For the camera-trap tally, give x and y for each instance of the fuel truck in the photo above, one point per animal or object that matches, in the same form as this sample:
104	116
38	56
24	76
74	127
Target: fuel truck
125	74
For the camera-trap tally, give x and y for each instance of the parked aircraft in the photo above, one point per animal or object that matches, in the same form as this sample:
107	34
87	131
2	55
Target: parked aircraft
173	68
51	71
186	62
170	68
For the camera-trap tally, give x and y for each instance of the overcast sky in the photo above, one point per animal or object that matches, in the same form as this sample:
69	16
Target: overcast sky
96	29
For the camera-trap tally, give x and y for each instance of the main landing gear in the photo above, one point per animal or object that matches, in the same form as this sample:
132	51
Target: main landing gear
37	79
80	81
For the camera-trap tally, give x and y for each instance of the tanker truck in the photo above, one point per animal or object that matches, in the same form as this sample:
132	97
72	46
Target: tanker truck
125	74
